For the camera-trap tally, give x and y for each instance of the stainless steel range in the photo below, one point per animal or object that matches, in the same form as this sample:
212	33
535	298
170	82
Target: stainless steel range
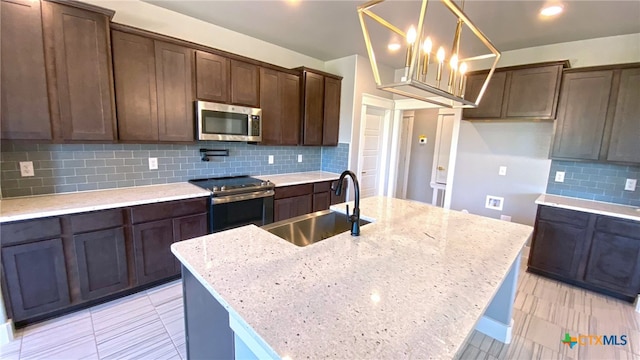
238	200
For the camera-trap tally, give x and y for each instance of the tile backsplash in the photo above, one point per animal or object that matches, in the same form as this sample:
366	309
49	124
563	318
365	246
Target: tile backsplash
595	181
78	167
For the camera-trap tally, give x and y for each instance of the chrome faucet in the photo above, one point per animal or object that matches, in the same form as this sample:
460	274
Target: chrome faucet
355	217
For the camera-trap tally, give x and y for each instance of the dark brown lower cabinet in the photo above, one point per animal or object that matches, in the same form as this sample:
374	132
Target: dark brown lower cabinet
102	262
152	253
296	200
291	207
36	278
598	252
321	201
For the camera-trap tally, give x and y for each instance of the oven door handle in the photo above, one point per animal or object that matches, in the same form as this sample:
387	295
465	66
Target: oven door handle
241	197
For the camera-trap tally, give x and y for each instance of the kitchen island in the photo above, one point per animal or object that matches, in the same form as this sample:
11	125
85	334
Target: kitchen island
415	284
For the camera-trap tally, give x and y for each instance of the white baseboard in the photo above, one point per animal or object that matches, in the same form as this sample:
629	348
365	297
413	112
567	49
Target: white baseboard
6	332
638	303
495	329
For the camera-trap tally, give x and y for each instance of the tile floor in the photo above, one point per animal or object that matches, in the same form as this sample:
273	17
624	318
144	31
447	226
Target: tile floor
149	325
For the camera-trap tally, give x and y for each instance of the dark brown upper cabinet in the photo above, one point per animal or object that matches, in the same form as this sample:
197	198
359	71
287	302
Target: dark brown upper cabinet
597	115
280	104
331	125
321	107
82	94
56	72
212	77
154	89
625	133
24	78
518	92
245	84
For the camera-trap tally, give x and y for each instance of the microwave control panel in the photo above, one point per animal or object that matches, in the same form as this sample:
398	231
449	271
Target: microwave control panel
255	125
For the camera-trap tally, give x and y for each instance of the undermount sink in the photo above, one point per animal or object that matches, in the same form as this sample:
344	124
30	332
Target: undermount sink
308	229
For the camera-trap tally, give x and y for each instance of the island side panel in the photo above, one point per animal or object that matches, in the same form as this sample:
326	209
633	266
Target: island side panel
208	335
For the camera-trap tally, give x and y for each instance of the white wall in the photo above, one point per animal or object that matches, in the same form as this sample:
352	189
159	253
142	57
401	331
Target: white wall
425	122
153	18
522	146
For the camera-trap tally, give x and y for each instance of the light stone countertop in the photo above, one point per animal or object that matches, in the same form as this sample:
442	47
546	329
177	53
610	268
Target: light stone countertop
412	285
299	178
590	206
34	207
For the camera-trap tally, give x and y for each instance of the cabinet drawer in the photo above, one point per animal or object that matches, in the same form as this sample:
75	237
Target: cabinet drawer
30	230
295	190
626	228
576	218
97	220
322	186
169	209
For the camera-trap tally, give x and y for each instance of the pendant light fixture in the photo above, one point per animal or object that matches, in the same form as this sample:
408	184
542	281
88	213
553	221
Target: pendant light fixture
450	81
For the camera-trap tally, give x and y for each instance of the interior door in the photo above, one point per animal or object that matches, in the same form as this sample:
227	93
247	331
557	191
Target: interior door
370	153
443	149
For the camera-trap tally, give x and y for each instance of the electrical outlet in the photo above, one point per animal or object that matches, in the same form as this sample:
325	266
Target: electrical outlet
630	185
299	157
153	163
26	168
502	171
559	176
270	159
505	217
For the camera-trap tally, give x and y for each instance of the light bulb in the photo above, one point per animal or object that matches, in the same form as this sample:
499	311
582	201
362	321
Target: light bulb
411	35
427	45
454	62
551	10
440	54
394	46
463	68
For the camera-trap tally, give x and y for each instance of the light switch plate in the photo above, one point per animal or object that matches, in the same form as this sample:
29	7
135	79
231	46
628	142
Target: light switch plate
26	168
559	176
270	159
502	171
299	157
630	185
153	163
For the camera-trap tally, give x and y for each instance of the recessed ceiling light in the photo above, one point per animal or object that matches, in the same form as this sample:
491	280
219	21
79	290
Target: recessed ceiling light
393	46
551	10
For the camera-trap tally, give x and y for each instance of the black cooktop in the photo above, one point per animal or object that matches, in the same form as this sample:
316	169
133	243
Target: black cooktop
235	183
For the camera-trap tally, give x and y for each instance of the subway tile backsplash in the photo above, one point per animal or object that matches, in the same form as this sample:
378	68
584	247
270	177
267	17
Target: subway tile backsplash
335	158
79	167
595	181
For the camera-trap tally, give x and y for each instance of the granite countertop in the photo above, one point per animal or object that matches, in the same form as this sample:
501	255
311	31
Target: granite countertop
412	285
33	207
590	206
299	178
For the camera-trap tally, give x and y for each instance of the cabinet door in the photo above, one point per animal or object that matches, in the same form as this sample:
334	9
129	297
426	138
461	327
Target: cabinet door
291	207
557	248
335	199
80	41
290	108
188	227
491	103
135	82
331	124
625	134
271	107
174	78
245	87
313	109
102	262
212	77
36	278
23	83
582	112
321	201
614	263
151	246
533	93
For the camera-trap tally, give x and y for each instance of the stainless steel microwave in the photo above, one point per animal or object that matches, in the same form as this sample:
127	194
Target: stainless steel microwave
225	122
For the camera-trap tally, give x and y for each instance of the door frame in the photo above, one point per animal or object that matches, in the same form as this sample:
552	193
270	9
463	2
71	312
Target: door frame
386	105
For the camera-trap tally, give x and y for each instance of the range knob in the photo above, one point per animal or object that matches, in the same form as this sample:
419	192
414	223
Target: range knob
216	188
265	183
223	188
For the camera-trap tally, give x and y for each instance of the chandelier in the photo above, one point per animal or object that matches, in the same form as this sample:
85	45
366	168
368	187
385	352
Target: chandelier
447	89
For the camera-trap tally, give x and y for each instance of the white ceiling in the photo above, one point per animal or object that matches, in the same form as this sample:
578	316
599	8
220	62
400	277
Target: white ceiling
330	29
